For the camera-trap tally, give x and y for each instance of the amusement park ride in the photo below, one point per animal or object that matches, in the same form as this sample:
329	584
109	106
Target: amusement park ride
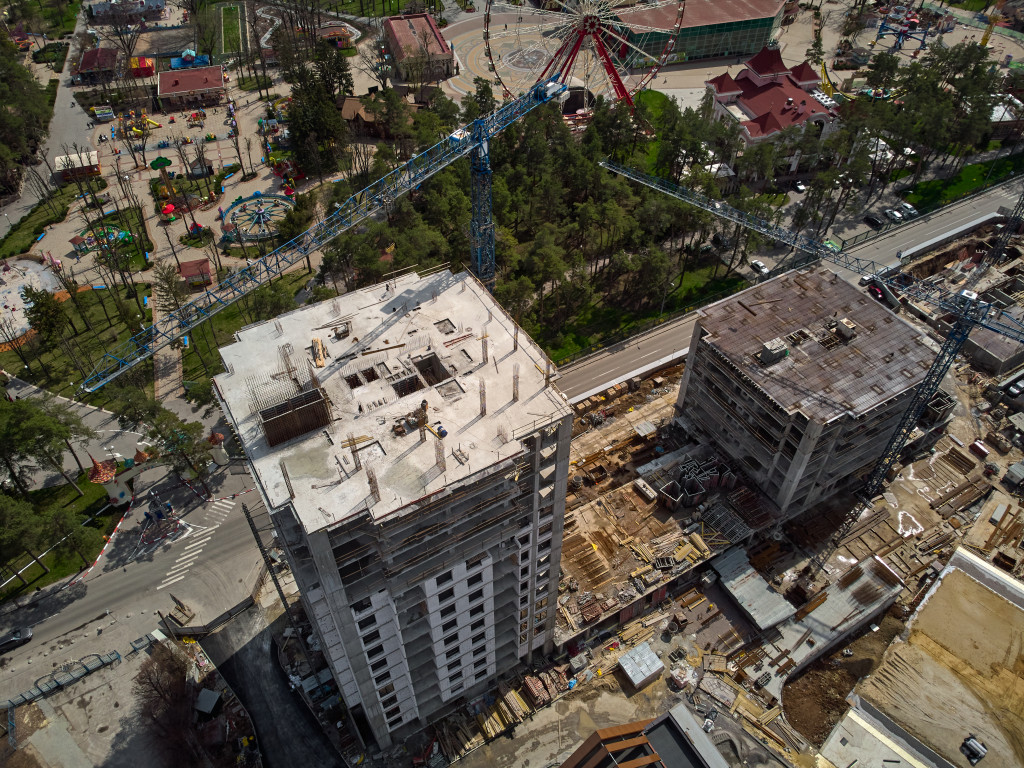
903	24
965	307
588	48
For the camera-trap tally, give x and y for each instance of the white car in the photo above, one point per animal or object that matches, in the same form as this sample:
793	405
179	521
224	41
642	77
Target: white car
760	267
894	216
907	210
866	279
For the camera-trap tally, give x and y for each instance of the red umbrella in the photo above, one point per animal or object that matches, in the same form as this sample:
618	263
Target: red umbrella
167	208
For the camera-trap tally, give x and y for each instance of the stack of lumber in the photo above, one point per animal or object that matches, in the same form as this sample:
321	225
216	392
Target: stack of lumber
520	709
549	684
455	738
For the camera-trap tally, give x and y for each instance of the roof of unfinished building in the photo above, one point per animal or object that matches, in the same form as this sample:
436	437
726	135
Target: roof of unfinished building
822	375
388	348
764	605
960	669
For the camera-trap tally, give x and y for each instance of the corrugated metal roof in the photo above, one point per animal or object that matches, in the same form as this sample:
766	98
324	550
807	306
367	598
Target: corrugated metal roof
762	604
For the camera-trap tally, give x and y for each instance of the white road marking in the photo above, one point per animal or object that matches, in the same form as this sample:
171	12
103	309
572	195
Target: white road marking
185	565
168	583
198	543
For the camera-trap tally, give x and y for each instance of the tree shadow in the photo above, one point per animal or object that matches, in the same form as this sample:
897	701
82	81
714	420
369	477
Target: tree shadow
31	613
133	740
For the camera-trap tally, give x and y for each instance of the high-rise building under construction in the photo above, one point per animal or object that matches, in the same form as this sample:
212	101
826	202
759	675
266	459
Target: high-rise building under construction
413	454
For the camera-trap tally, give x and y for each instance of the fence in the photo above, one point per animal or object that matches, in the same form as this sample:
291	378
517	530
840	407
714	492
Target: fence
863	237
62	678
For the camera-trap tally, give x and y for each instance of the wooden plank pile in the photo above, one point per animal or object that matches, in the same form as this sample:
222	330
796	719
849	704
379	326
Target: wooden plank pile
456	737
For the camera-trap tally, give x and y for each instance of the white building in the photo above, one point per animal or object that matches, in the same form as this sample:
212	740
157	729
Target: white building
426	548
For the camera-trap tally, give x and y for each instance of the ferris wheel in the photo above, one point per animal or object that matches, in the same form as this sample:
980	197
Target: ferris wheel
599	48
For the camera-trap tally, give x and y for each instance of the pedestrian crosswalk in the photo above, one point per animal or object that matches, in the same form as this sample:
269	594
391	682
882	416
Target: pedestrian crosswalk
199	536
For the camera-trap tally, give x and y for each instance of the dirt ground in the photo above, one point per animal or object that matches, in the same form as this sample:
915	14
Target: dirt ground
816	700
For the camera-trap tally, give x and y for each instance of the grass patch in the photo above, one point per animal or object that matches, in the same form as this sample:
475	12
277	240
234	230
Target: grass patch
230	30
53	54
219	329
600	325
189	186
260	82
377	8
55	370
928	195
655	101
974	6
62	566
24	233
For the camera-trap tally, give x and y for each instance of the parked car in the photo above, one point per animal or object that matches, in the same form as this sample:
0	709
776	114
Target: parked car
15	639
875	291
894	216
799	186
907	210
866	279
874	221
760	267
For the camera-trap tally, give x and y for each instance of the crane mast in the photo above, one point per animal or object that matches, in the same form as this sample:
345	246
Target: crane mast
471	140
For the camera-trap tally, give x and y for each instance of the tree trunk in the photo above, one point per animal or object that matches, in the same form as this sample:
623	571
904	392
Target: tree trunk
37	561
15	478
78	461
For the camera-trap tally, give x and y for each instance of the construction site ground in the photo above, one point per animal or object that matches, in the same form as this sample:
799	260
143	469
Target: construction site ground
815	700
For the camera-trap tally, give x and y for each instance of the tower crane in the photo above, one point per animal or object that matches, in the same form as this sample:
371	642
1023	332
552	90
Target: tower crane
996	252
473	140
965	307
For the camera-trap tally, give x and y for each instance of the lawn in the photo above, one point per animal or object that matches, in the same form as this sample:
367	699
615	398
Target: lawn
62	566
61	374
230	28
928	195
374	8
27	230
254	83
219	330
600	325
972	5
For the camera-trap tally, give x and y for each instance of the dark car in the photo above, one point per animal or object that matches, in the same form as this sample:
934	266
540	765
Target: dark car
15	639
873	221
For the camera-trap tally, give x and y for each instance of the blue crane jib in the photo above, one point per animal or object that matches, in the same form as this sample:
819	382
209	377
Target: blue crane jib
471	139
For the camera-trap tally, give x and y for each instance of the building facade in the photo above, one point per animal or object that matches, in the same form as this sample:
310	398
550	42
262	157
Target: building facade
708	30
418	48
417	481
188	88
801	380
767	96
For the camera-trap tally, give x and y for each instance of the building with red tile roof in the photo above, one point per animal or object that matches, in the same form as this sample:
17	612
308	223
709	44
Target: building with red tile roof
183	88
414	40
97	65
767	96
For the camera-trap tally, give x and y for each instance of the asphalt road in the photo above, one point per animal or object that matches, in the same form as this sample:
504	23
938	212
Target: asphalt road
618	362
69	125
206	563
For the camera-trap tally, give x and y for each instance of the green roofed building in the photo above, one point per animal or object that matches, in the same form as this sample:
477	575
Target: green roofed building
710	29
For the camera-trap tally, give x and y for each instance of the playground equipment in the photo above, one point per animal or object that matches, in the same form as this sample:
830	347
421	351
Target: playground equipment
196	119
903	24
255	217
103	114
133	124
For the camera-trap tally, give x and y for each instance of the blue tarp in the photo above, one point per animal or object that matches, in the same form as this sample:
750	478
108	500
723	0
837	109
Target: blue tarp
198	61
